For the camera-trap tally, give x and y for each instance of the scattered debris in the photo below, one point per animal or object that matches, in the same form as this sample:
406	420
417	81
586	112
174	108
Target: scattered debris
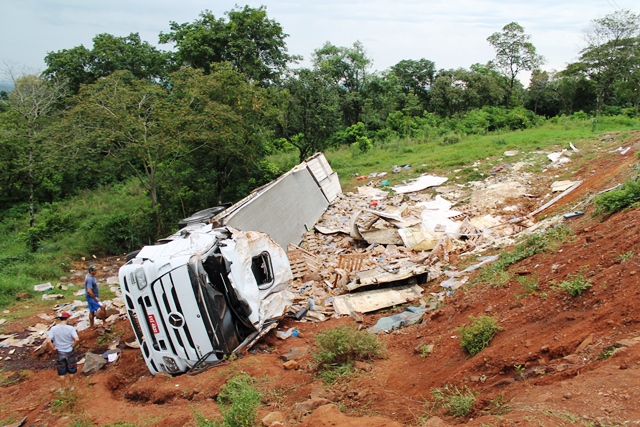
368	301
409	316
562	185
573	214
43	287
419	184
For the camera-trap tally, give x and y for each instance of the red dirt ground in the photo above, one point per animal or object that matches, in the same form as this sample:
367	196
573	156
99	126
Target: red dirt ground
549	366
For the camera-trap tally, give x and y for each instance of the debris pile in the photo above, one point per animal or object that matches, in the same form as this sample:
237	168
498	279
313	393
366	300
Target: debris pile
374	247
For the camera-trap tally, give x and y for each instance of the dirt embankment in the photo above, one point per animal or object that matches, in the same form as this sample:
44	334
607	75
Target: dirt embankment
559	360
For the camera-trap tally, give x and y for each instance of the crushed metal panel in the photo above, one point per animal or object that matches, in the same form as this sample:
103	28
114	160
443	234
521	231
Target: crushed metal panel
326	178
366	302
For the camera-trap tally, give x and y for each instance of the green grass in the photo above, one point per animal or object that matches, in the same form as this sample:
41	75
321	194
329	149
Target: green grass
441	159
476	337
546	241
337	349
455	401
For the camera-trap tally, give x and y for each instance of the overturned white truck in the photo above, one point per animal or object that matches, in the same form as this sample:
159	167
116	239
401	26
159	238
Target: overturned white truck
210	291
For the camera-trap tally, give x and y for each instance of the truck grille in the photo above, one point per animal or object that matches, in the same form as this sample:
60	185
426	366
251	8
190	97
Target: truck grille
167	301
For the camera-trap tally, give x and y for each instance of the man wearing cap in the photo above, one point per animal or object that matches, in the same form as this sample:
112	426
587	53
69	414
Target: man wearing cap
91	293
61	339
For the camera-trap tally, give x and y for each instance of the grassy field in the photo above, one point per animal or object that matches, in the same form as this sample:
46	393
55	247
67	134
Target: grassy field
85	225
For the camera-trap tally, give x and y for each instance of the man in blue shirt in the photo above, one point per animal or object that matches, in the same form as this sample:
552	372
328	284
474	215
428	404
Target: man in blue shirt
61	339
91	293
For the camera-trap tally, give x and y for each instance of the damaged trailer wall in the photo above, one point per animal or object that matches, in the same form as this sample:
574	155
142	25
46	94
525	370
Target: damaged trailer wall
289	206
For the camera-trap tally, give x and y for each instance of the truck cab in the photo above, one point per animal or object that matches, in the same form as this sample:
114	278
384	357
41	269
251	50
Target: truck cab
204	293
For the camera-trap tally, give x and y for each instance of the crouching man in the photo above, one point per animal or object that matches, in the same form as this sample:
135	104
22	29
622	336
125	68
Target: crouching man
61	339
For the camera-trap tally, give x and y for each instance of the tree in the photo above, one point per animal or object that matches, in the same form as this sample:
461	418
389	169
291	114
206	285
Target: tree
346	69
514	53
612	54
313	114
33	100
416	77
254	44
457	91
80	65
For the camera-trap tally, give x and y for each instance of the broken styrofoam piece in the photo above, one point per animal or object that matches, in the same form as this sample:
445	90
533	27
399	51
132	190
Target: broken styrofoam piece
511	153
562	185
418	240
409	316
43	287
366	302
420	183
483	261
623	152
51	297
573	147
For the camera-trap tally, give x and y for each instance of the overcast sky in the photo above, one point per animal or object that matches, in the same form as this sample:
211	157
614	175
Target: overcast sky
452	33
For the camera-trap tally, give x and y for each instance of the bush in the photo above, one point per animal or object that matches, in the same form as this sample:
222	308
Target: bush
449	140
614	201
457	402
476	337
576	285
239	402
338	348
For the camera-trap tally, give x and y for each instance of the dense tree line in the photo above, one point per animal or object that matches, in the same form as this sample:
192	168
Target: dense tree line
194	125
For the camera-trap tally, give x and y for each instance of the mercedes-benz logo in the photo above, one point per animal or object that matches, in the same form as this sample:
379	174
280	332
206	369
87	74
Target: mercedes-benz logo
176	320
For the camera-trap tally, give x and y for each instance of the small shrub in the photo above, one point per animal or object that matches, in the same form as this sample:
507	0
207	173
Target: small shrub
576	285
606	353
239	401
614	201
625	256
449	140
65	402
530	283
363	144
500	141
476	337
457	402
499	279
338	348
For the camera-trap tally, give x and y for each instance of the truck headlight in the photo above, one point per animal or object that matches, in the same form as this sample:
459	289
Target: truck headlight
141	279
170	364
